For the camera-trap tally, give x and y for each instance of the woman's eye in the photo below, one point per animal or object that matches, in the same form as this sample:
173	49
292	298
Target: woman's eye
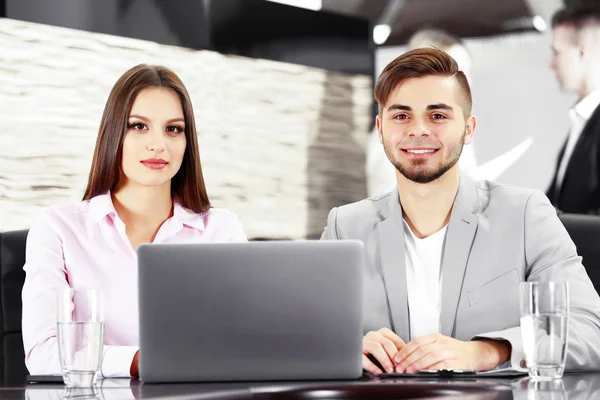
138	126
174	129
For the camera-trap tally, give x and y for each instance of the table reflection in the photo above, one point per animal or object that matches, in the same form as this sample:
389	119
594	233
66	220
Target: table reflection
582	386
571	386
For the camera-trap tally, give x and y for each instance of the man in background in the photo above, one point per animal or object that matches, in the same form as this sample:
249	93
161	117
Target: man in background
575	187
381	175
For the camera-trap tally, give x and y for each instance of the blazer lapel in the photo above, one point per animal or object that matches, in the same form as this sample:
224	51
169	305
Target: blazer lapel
391	249
581	150
459	239
552	192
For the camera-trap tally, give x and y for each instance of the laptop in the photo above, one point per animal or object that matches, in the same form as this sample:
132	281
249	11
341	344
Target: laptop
280	310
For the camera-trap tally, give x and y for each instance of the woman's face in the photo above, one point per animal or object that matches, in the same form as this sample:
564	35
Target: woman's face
154	143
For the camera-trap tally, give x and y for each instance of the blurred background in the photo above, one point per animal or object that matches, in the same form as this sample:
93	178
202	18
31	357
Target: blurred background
282	92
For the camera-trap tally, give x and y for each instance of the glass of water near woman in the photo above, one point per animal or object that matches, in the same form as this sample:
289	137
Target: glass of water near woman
544	327
80	333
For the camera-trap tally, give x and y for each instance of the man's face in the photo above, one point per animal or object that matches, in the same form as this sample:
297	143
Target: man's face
423	128
567	58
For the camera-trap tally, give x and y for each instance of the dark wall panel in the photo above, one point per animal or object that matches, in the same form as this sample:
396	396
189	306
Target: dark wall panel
177	23
250	28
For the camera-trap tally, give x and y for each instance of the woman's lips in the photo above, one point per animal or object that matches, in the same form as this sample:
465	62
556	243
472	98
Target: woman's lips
155	163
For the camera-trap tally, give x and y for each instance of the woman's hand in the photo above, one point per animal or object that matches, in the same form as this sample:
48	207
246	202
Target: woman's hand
134	370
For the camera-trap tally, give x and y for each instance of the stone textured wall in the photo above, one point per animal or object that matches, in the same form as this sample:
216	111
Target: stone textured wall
280	144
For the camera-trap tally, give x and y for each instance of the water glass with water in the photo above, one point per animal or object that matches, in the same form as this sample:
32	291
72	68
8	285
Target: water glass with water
545	327
80	333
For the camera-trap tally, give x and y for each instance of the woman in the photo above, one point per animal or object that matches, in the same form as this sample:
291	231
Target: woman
145	186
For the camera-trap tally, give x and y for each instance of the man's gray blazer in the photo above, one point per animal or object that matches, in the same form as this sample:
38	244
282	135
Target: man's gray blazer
498	236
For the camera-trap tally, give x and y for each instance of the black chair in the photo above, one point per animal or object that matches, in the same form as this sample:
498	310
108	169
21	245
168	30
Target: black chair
12	277
585	232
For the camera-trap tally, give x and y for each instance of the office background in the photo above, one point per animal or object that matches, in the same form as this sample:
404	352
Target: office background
283	123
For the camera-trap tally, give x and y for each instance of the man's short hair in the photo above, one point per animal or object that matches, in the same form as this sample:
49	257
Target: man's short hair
433	37
578	17
419	63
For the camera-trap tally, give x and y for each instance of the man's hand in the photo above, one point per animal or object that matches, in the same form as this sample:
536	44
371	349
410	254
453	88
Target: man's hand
434	352
383	345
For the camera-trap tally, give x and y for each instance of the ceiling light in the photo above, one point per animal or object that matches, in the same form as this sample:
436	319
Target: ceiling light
309	4
381	33
539	23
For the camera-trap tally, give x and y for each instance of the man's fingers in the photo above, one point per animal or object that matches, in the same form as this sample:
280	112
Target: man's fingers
412	346
368	365
398	342
414	357
377	351
389	347
431	357
383	345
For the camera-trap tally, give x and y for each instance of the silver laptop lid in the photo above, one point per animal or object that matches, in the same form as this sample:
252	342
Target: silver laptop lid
250	311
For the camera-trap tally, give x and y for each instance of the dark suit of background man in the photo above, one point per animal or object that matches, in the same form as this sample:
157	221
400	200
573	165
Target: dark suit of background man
575	187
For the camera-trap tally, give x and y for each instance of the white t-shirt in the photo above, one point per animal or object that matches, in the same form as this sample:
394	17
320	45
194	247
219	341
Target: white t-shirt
424	280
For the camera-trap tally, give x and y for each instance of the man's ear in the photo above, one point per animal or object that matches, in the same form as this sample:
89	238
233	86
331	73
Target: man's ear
379	128
577	40
470	129
587	42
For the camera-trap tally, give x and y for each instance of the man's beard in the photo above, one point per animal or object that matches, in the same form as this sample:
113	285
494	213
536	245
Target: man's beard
418	174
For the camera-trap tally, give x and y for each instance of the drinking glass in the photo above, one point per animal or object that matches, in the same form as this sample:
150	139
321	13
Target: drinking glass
545	327
80	333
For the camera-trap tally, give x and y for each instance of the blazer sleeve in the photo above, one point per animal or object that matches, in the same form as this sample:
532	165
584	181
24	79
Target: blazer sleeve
331	232
551	255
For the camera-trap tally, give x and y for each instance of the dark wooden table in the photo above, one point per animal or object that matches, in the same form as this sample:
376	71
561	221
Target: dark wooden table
572	386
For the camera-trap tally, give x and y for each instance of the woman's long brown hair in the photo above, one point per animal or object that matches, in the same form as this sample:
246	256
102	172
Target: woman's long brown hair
187	186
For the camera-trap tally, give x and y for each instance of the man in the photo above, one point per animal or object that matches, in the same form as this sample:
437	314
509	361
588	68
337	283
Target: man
575	187
445	254
380	173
